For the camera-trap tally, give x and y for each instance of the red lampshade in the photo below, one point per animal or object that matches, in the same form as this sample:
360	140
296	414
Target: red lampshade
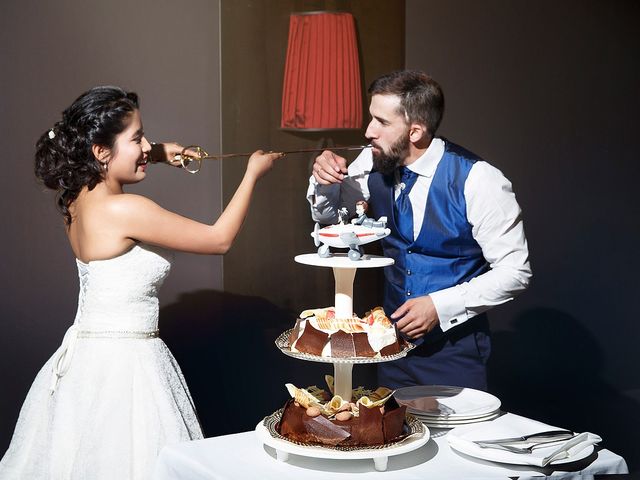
322	87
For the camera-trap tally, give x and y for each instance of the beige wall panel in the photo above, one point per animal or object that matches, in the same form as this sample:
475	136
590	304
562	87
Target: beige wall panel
254	48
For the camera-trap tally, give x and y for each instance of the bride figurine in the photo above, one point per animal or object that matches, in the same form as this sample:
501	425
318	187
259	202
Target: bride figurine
112	395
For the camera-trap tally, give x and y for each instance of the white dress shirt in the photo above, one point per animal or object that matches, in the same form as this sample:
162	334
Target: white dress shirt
492	211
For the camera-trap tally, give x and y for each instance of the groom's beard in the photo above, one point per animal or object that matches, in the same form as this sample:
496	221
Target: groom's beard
387	162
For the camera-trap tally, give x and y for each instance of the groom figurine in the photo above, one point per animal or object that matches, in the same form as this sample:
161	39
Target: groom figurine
361	213
457	236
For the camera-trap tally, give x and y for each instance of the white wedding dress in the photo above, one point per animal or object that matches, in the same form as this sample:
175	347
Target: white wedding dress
112	395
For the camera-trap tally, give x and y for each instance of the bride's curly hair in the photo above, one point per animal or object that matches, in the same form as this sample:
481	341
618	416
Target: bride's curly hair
64	161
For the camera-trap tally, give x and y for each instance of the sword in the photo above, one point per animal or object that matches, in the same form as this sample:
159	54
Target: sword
191	157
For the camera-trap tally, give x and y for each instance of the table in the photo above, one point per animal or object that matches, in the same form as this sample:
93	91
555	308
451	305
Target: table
243	456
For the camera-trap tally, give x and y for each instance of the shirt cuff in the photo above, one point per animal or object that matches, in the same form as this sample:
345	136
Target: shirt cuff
322	192
311	190
449	304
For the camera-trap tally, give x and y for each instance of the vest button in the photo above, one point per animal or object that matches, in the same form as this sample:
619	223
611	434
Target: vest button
408	272
408	251
408	293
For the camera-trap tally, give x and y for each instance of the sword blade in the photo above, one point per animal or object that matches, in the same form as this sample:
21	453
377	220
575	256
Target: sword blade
288	152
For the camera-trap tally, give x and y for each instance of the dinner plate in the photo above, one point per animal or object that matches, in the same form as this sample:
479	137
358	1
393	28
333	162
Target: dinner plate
445	418
458	441
502	456
440	402
456	423
448	418
466	421
494	414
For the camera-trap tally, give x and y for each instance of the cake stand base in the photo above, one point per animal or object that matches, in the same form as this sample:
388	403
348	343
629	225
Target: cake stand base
379	463
380	456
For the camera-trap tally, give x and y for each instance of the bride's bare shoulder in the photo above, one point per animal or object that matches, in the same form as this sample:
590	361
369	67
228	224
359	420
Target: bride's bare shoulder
111	210
127	204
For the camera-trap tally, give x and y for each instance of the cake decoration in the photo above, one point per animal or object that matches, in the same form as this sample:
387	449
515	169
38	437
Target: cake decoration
352	235
319	332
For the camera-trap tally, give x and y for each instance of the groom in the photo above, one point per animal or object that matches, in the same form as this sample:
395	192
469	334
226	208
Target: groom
457	236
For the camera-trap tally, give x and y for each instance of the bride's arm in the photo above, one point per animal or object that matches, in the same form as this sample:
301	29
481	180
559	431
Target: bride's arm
141	219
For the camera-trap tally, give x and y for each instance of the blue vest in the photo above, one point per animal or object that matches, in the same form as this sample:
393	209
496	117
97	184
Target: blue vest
445	253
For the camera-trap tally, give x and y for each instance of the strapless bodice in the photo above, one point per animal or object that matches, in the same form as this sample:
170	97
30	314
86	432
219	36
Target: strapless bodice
121	293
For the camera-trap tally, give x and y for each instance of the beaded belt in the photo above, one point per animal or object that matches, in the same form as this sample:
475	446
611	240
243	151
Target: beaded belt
141	335
64	354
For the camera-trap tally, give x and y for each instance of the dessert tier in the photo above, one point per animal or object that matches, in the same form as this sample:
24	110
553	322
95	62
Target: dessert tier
314	416
282	342
371	427
319	332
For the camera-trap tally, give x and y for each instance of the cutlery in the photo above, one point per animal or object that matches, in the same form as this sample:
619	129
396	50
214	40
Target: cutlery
539	437
525	450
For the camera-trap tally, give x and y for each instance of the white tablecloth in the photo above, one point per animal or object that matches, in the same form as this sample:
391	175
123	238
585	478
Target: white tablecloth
243	456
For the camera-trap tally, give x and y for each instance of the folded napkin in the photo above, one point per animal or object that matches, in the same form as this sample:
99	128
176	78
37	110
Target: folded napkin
510	425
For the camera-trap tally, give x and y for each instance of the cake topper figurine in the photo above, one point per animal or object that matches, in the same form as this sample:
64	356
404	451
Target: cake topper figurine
343	215
361	212
360	231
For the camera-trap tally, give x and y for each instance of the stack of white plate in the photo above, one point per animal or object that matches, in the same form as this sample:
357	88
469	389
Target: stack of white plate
448	407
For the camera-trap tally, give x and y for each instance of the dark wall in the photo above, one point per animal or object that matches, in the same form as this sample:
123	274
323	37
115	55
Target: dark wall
548	92
50	52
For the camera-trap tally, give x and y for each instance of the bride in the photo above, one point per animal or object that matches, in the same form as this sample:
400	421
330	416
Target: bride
112	395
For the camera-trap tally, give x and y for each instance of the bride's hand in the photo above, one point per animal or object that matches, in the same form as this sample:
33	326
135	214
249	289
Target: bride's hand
166	153
261	162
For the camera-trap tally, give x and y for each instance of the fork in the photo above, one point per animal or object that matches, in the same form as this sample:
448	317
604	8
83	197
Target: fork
525	450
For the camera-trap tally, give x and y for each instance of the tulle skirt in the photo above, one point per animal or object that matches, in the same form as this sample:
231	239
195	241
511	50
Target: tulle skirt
118	404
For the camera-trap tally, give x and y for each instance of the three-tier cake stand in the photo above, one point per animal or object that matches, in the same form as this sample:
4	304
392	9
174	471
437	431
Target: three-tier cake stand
344	271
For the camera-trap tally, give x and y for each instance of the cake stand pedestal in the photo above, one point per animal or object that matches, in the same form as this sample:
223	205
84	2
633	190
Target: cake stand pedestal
344	272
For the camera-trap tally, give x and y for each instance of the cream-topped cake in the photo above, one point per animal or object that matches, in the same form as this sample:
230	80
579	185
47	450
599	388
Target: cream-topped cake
319	332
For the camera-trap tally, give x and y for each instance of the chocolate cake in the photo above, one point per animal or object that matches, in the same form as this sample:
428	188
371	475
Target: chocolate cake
371	427
318	332
366	422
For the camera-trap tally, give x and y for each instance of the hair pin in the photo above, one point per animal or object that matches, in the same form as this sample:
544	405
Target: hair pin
52	134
